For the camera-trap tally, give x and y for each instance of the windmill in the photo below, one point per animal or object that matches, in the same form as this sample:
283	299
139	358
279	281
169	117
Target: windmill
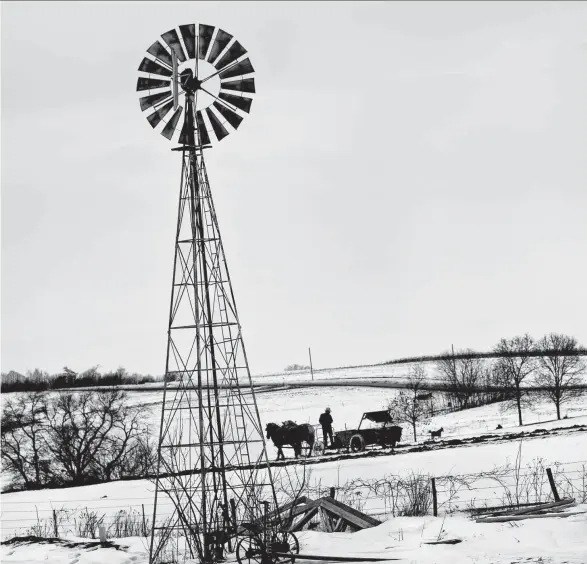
195	87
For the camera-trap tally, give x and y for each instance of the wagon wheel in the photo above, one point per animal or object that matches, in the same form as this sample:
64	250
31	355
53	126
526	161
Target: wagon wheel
251	550
357	443
285	542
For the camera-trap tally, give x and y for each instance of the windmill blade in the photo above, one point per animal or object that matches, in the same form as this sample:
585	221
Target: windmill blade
148	101
220	42
151	83
242	85
235	51
175	80
231	117
204	137
239	102
242	67
218	128
188	32
172	39
187	135
158	51
153	68
206	32
169	128
156	117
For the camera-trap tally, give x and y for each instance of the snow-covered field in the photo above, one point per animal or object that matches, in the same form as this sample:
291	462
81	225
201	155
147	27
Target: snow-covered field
556	540
304	405
544	541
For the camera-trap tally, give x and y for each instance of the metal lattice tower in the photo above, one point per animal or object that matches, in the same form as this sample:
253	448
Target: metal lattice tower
213	469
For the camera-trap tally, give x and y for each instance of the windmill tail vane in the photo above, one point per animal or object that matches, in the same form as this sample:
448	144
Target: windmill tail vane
195	87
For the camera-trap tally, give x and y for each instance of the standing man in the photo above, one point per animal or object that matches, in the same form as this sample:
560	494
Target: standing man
326	422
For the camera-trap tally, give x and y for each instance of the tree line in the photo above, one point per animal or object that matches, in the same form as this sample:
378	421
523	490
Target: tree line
39	380
516	374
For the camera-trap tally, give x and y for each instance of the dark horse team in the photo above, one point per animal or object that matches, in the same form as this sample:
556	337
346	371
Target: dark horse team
290	434
294	435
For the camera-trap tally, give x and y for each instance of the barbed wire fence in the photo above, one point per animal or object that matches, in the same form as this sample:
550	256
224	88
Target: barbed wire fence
413	494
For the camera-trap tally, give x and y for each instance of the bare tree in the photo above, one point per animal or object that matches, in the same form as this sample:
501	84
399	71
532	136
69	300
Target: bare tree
90	433
24	452
560	368
462	377
406	406
514	366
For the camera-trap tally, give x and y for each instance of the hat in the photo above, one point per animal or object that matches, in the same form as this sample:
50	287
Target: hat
327	410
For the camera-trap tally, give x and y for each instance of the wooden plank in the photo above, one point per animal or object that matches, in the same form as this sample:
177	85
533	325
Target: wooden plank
543	506
355	523
326	519
513	509
374	522
305	519
535	508
280	510
303	508
324	558
504	518
349	514
500	507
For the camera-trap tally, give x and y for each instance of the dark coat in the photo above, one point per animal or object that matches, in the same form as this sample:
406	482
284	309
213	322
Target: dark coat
325	420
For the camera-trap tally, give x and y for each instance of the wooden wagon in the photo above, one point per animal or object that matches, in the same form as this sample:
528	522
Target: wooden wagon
356	440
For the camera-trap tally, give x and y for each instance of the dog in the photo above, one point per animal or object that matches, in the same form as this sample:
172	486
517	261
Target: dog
436	433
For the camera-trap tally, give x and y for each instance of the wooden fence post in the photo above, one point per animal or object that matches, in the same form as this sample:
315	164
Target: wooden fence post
434	498
55	528
144	521
552	485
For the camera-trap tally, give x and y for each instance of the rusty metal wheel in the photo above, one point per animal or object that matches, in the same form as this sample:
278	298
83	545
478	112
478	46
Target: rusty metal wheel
284	543
251	550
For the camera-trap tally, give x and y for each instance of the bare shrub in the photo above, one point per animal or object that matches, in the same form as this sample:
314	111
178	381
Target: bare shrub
417	498
576	488
131	523
87	524
291	484
402	495
462	376
406	407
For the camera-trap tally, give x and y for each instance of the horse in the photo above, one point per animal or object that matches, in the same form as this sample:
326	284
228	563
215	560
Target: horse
290	434
436	433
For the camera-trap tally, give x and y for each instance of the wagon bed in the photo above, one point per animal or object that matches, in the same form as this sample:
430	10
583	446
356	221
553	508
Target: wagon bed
358	439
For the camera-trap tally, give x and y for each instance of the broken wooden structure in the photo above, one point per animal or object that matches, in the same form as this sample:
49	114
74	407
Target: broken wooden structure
534	511
336	516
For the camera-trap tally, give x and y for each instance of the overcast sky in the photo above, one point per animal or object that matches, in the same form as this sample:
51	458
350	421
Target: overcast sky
411	175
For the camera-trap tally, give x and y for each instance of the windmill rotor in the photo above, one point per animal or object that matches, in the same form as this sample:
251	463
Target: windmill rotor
195	84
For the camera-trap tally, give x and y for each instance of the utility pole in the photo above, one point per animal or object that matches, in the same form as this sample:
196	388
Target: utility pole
311	369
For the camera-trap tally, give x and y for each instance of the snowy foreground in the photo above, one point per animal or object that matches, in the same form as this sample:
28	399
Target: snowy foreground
546	540
552	541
